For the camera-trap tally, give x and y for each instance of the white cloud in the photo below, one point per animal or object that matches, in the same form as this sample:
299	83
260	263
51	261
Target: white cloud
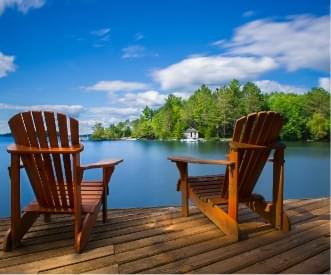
6	64
134	51
218	42
105	116
211	70
116	85
268	86
101	32
183	95
324	82
22	5
73	110
126	111
297	42
151	98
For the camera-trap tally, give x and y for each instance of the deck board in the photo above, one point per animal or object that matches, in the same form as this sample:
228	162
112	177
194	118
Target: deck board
160	240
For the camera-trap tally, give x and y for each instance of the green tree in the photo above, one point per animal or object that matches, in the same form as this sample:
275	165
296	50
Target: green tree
291	107
229	106
200	112
319	127
98	132
167	122
252	100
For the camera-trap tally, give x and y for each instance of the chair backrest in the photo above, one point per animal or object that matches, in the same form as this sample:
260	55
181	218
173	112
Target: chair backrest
50	175
261	128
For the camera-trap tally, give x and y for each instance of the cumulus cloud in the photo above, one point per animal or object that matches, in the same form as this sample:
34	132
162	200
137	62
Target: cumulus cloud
6	64
324	82
73	110
211	70
22	5
296	42
106	116
268	86
116	85
140	100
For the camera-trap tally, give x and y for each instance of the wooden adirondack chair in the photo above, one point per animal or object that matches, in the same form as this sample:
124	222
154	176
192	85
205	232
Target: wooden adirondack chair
254	137
47	146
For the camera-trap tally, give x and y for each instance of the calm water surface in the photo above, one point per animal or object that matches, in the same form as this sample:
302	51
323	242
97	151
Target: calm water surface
147	178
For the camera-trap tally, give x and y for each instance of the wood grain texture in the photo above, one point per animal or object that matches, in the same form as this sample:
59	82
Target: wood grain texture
254	137
160	240
48	145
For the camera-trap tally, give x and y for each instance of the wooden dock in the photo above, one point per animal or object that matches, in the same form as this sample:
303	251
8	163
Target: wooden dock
160	240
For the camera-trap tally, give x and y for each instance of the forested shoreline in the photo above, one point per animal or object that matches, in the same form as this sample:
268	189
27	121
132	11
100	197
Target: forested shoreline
213	113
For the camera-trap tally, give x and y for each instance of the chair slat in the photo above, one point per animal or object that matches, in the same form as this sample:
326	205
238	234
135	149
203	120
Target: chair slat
52	135
251	156
42	137
63	131
38	161
238	128
273	131
19	133
74	131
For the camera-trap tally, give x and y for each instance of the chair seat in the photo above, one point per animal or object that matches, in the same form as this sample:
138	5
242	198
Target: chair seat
91	193
209	188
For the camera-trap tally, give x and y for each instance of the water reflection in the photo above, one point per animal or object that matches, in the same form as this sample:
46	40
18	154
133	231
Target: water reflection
147	178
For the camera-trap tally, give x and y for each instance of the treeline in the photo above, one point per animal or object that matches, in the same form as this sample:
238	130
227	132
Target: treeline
213	113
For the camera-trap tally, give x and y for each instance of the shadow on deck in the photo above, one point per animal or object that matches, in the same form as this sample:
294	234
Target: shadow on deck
160	240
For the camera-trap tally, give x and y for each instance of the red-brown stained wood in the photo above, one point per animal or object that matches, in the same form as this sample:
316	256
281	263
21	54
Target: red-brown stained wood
254	137
20	135
58	188
43	185
42	137
63	131
52	136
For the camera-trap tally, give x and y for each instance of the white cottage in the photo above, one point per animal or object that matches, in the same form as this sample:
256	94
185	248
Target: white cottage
191	133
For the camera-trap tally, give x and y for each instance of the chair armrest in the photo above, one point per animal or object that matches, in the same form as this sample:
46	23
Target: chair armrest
101	164
200	161
22	150
238	145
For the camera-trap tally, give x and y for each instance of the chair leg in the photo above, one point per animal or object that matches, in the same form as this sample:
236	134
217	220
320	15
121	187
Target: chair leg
87	225
104	208
182	167
11	240
280	219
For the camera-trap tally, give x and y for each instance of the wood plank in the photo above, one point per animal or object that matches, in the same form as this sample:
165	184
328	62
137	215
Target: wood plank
48	167
142	265
109	269
159	240
151	243
97	239
52	136
203	259
319	263
289	258
54	262
265	251
63	131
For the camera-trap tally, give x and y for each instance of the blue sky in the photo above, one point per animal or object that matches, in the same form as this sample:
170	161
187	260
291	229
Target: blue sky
105	60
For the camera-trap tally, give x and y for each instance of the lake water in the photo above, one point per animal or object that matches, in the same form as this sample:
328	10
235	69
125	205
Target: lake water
147	178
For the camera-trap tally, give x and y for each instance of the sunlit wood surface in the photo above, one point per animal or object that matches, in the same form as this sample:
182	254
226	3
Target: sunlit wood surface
160	240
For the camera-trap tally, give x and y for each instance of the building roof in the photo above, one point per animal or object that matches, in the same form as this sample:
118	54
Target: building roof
191	130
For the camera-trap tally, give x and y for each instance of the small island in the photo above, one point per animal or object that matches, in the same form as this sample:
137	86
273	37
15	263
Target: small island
213	113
